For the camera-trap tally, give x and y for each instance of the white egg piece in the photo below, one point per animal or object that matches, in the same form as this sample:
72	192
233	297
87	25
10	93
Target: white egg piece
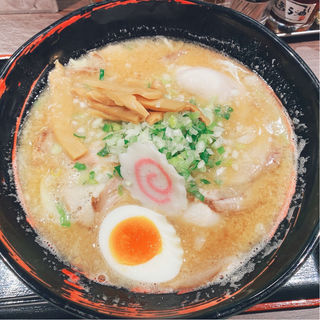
152	180
140	244
207	83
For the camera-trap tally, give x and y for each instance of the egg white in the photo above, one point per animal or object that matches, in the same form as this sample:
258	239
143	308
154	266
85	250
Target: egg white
162	267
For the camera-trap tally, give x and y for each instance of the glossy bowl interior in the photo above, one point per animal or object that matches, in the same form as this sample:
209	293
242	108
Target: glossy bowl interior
222	29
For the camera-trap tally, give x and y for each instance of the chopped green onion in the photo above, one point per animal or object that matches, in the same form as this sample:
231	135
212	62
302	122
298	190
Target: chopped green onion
193	132
101	74
183	138
172	121
194	164
133	139
110	176
199	195
180	163
192	146
92	178
217	110
200	126
211	126
218	182
223	112
117	170
168	155
205	181
158	128
78	136
106	127
221	150
64	217
205	156
80	166
226	116
149	84
116	126
157	131
185	174
120	190
194	116
104	151
193	189
109	136
207	131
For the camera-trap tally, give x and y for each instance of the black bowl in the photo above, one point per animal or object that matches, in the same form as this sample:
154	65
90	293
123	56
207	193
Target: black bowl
222	29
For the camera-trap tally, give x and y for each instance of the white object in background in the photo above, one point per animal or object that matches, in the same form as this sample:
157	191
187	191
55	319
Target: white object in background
27	6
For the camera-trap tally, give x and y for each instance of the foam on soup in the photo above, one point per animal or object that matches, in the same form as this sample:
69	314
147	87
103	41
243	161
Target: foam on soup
156	163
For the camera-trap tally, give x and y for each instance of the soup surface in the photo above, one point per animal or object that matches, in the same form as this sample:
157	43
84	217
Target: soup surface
156	164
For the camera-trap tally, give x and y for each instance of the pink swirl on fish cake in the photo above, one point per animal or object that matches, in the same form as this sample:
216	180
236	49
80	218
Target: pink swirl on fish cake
150	180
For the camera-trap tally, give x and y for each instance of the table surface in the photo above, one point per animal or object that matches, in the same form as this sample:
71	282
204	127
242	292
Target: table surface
18	28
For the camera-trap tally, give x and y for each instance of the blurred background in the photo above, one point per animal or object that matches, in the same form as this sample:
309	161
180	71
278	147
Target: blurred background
21	19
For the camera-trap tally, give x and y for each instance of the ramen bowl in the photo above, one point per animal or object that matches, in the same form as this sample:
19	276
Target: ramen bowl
25	75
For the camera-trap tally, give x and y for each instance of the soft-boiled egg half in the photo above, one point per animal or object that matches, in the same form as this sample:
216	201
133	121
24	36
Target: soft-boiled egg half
140	244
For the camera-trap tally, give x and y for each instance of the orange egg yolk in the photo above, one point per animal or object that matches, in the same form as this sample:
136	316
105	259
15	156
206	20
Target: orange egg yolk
135	241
